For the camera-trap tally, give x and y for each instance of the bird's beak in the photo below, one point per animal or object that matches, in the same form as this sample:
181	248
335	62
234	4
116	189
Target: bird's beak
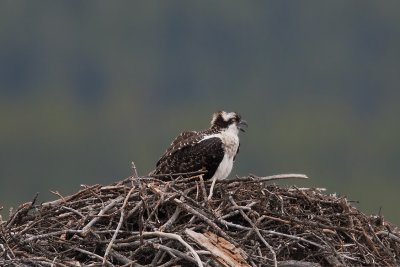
242	124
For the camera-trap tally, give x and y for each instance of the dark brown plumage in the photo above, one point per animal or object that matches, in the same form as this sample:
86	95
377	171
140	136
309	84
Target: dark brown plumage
212	150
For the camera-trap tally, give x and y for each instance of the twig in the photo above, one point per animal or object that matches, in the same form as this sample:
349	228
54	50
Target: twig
22	211
73	211
301	223
101	213
392	236
223	251
294	238
61	232
256	230
93	255
5	254
171	220
204	191
170	263
231	224
178	238
134	170
241	227
121	219
69	198
175	252
205	219
264	179
58	194
294	263
124	260
212	188
131	212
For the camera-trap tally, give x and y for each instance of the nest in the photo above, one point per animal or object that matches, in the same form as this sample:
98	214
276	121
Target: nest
143	221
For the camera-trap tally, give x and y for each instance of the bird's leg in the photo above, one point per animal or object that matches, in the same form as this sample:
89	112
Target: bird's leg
212	188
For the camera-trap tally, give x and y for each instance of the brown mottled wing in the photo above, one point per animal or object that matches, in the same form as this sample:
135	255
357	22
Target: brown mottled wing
192	155
175	144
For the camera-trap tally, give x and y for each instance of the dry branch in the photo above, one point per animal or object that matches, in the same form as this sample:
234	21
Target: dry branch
144	221
121	220
224	252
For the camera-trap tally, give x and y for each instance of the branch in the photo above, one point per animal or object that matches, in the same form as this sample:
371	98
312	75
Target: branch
61	232
205	219
121	219
93	255
101	213
392	236
174	252
256	230
223	251
178	238
256	179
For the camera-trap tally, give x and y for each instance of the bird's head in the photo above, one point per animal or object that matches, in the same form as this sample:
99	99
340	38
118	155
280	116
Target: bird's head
228	121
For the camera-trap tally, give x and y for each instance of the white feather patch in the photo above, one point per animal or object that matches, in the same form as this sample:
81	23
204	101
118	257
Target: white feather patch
230	142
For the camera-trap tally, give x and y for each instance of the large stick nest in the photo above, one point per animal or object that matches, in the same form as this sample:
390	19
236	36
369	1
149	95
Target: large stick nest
148	222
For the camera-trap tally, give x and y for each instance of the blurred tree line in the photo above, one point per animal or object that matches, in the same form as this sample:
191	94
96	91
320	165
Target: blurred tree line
87	87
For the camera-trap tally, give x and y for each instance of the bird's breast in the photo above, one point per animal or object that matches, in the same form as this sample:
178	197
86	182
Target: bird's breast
231	143
224	168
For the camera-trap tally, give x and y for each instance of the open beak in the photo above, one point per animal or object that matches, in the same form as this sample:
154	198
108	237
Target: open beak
241	125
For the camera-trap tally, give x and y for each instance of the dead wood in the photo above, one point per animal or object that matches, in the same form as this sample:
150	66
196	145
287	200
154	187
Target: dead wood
144	221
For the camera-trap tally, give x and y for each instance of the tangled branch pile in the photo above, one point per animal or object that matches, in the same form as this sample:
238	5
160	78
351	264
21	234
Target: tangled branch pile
148	222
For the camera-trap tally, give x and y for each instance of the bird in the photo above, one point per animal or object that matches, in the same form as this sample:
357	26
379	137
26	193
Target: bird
212	150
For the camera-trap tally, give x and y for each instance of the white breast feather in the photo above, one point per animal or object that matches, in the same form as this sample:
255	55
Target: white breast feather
230	140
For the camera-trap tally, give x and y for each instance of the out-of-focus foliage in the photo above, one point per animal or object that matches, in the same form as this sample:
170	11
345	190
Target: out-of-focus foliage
87	87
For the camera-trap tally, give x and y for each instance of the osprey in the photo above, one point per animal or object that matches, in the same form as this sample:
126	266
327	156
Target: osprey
213	150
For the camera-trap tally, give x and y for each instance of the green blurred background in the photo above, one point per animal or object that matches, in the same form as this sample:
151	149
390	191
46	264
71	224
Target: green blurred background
86	87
